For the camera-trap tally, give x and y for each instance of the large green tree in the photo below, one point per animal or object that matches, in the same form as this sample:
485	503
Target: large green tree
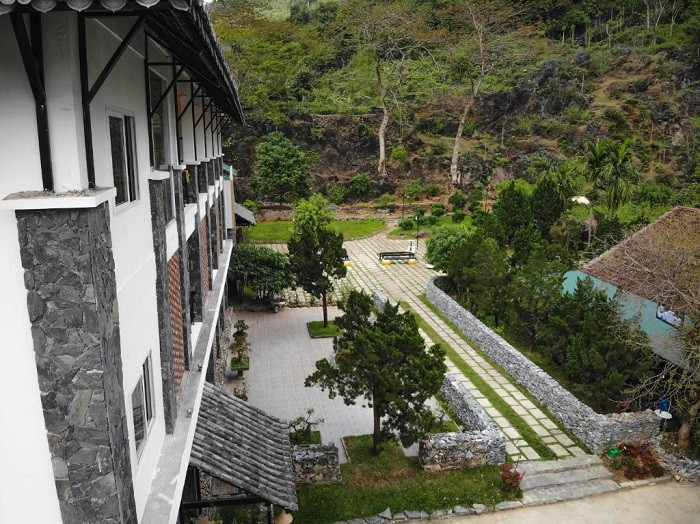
381	358
265	271
283	169
316	251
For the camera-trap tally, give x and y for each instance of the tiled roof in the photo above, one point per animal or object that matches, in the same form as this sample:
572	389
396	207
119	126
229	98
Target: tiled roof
245	447
246	214
660	262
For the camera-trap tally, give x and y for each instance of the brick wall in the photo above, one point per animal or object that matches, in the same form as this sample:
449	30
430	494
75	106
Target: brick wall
206	266
174	290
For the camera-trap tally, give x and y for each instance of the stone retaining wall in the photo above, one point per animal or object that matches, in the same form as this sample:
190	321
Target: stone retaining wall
316	464
683	468
594	429
483	443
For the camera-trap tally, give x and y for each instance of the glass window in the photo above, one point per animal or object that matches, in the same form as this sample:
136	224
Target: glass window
142	405
123	150
158	123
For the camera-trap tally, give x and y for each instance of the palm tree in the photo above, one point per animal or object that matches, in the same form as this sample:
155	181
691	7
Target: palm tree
621	175
596	161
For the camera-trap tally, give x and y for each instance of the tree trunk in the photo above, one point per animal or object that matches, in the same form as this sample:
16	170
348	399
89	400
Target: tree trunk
376	433
687	426
325	310
455	175
381	167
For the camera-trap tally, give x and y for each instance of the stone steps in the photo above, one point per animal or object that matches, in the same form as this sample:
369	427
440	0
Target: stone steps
545	482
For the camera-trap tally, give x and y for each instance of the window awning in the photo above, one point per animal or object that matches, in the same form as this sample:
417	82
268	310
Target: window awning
243	446
244	216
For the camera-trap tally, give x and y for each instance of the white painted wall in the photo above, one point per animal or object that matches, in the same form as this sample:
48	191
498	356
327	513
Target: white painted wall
25	462
131	235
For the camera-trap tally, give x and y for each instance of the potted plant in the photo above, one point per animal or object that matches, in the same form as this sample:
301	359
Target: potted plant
239	358
240	328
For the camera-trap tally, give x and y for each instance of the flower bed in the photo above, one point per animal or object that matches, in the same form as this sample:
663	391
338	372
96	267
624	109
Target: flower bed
635	462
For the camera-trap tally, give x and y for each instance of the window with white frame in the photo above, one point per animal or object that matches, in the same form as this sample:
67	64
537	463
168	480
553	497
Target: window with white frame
142	405
123	150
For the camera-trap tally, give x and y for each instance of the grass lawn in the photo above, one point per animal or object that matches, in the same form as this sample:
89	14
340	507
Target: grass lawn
524	391
371	484
442	221
281	230
316	329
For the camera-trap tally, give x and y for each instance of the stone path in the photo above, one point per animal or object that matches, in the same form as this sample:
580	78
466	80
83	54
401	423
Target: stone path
403	282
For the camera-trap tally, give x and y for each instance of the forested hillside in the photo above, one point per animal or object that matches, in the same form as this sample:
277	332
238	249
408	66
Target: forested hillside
467	94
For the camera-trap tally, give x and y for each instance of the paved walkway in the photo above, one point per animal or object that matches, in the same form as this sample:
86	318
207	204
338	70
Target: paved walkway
668	503
407	283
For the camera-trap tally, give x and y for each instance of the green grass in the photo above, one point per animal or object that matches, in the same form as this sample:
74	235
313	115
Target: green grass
372	483
501	405
442	221
504	373
317	330
281	230
299	438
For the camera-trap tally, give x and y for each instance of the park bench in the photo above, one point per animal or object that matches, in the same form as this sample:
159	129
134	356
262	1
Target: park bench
389	257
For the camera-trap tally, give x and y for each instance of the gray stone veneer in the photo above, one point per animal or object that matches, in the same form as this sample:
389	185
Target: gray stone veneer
595	430
316	464
480	444
72	303
157	191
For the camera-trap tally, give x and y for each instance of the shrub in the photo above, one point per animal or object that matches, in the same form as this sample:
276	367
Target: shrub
359	184
399	155
615	117
652	192
430	220
576	115
437	210
457	200
637	462
336	193
254	206
412	190
458	216
406	224
433	190
510	478
384	201
438	148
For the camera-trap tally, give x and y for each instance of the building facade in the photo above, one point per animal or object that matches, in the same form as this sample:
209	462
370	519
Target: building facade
113	253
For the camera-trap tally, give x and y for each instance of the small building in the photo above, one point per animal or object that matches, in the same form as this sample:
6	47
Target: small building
654	275
113	255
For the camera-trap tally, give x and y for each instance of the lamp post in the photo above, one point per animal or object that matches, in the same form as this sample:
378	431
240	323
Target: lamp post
417	225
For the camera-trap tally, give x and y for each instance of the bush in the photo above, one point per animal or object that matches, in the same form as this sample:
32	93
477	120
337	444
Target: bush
615	117
399	155
254	206
384	201
458	216
437	210
457	200
510	478
412	190
359	184
576	115
653	193
430	220
336	193
433	190
406	224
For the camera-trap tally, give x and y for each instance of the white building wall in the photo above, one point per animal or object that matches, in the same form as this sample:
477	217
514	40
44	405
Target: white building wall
25	462
132	237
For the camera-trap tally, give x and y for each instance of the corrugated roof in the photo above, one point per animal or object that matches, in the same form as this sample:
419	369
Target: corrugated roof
245	214
245	447
660	262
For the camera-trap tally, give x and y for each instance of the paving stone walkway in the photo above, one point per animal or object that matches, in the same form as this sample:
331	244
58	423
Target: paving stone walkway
402	282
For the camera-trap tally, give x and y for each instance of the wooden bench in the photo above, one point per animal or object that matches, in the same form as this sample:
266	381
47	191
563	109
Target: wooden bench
389	257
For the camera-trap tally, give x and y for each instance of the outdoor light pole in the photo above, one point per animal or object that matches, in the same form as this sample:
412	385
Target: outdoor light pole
417	225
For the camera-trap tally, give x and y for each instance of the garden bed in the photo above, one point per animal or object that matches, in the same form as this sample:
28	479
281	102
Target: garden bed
317	329
298	438
372	483
633	462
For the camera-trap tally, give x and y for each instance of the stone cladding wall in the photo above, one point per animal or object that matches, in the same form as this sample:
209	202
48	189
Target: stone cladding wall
175	292
593	429
206	268
316	464
72	303
684	469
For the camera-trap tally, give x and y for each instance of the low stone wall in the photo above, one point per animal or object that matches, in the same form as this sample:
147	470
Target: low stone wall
594	429
316	464
483	443
683	469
